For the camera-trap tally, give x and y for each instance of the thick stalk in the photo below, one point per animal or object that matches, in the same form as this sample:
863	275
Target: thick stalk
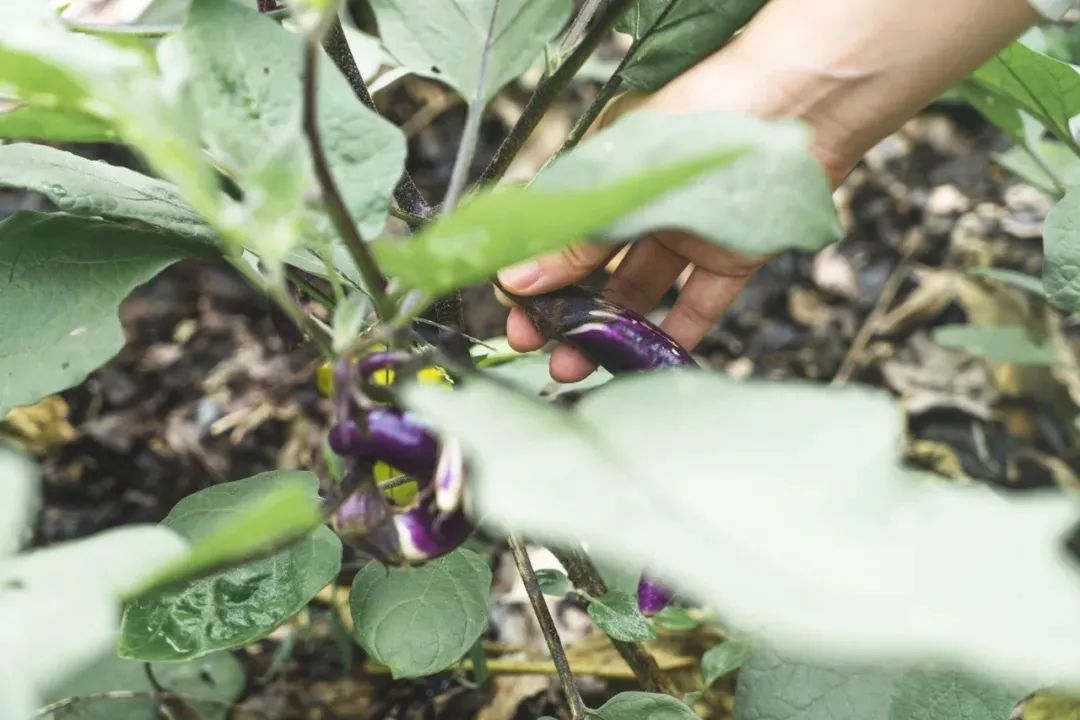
407	195
374	283
549	89
584	575
547	625
459	175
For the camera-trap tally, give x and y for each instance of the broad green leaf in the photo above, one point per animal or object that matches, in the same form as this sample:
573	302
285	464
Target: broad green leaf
216	680
674	618
96	189
1011	277
1061	248
1046	88
818	468
234	607
996	107
774	687
444	39
721	659
617	615
19	486
59	605
692	30
640	17
997	343
777	179
23	122
642	706
553	582
45	66
420	620
1053	156
277	508
499	227
246	92
349	319
61	279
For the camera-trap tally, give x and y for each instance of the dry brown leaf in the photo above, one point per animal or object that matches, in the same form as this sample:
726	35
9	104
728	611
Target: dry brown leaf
40	427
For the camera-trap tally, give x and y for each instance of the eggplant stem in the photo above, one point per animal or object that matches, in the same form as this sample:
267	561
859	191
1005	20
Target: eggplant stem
547	626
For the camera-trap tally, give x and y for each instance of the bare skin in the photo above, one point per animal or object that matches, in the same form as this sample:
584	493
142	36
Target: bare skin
852	70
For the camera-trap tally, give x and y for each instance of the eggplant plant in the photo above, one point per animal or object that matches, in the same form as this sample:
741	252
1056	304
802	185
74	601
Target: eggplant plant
848	585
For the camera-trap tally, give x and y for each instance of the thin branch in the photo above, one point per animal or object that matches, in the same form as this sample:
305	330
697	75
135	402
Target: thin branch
374	282
584	575
336	45
469	137
547	625
577	28
549	89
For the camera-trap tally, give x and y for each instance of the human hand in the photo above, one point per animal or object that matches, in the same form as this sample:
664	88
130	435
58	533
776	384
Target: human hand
853	72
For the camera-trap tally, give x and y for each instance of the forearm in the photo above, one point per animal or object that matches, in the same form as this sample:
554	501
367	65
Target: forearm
853	70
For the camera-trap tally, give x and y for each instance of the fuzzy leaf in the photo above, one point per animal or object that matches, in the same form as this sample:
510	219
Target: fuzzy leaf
1061	247
617	615
997	343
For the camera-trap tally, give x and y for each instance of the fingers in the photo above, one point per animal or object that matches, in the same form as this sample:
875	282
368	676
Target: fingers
521	333
702	301
645	274
568	364
554	271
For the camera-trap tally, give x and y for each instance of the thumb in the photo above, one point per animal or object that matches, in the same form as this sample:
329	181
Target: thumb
557	270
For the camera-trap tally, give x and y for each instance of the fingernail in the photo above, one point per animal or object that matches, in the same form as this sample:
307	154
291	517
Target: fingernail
520	277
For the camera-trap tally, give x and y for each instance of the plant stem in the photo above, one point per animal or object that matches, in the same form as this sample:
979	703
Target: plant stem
577	28
469	137
613	85
336	45
547	625
549	89
584	575
374	283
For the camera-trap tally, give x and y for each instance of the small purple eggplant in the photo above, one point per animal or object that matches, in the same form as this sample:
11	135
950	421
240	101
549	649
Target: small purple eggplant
367	520
617	339
652	597
393	436
425	533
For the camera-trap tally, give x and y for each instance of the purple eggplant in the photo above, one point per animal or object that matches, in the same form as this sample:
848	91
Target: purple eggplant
617	339
424	533
652	597
366	520
393	436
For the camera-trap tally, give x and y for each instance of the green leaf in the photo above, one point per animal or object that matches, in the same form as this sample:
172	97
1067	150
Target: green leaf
58	605
996	107
997	343
420	620
19	487
692	30
721	659
640	17
1047	89
777	179
818	468
246	91
642	706
62	279
215	680
26	122
96	189
276	509
45	66
553	582
444	39
775	687
1011	277
675	618
1061	247
499	227
235	607
1054	156
617	615
349	319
